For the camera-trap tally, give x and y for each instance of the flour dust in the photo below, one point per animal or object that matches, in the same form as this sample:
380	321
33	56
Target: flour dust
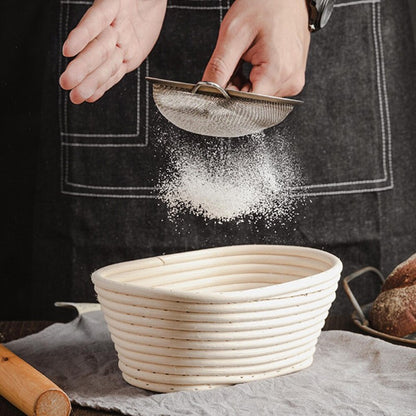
220	179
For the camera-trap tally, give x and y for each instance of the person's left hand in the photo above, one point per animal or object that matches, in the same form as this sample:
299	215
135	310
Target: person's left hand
113	37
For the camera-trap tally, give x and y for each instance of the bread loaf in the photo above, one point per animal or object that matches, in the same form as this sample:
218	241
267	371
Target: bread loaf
394	310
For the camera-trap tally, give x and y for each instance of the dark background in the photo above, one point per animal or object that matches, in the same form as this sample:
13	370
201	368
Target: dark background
21	81
364	228
412	5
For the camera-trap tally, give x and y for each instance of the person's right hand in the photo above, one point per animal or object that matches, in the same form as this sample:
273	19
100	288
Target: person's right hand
113	37
273	36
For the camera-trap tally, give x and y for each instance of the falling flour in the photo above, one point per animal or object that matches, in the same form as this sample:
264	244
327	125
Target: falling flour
230	179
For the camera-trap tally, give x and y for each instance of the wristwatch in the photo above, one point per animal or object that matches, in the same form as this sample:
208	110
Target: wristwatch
319	13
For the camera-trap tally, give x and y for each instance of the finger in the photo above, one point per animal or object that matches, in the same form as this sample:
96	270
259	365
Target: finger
94	55
100	15
97	78
264	80
234	82
107	85
233	87
271	84
230	47
246	87
291	88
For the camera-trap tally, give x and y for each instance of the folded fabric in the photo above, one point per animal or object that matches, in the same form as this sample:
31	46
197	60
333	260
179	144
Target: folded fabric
352	374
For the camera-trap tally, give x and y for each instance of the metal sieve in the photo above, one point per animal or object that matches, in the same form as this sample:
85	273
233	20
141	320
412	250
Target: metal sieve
208	109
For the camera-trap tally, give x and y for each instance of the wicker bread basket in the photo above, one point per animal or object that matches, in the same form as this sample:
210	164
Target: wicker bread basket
219	316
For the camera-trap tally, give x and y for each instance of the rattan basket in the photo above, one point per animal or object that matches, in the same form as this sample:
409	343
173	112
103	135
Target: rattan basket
219	316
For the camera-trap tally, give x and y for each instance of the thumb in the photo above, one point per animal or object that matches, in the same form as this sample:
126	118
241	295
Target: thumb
225	58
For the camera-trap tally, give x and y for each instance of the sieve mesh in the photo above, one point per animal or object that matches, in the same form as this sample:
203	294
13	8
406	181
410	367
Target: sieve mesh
218	112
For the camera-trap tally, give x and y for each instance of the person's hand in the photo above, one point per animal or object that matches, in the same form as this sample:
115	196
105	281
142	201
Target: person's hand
112	38
271	35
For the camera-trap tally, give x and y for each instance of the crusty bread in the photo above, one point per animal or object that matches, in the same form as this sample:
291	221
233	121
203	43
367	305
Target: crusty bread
394	310
403	275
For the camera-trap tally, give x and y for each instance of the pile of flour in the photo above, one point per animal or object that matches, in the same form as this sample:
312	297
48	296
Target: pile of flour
230	179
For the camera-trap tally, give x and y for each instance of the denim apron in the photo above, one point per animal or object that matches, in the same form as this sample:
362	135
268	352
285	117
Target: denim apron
98	164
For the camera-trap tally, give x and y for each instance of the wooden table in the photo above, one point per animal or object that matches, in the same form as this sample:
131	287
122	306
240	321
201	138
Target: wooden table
10	330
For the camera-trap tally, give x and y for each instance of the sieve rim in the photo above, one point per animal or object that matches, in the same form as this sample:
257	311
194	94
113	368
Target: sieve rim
207	89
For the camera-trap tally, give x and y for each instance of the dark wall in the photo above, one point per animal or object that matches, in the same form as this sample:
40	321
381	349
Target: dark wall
77	178
21	85
412	4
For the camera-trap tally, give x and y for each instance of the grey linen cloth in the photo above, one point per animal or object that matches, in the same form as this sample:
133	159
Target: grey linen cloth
352	374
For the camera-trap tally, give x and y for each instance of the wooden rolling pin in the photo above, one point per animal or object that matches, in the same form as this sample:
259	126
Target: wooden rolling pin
28	389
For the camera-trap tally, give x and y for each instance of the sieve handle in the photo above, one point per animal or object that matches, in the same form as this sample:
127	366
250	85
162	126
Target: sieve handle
214	85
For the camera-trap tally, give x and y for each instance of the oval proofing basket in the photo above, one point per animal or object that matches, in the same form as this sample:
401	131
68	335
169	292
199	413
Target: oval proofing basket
219	316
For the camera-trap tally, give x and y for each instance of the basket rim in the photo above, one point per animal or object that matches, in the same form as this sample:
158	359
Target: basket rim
101	277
